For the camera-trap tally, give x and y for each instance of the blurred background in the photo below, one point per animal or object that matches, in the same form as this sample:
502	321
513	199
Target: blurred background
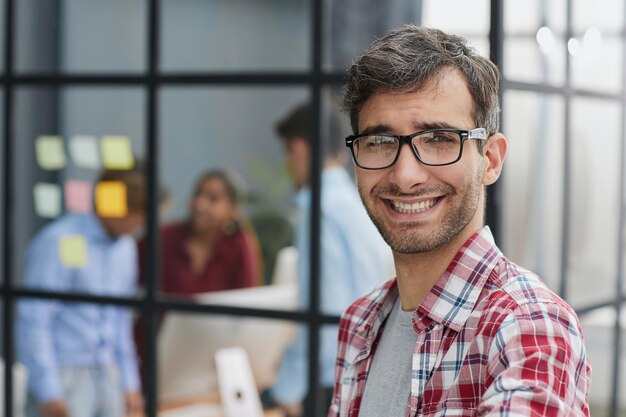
186	86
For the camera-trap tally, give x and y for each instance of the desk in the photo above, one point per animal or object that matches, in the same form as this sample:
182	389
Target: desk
204	406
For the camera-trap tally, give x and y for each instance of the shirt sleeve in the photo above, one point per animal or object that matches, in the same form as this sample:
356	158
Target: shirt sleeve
141	260
125	349
34	339
537	365
291	380
342	339
336	294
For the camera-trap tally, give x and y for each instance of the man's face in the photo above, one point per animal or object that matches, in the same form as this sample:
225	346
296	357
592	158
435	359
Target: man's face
298	160
130	224
418	208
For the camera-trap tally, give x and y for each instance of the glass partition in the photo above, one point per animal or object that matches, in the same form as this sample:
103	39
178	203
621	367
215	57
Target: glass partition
73	36
532	227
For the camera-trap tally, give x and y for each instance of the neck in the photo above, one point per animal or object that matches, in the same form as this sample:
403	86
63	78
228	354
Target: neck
203	238
417	273
329	162
106	225
334	162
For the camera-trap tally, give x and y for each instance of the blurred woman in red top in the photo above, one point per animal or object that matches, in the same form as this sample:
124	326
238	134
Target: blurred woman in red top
213	250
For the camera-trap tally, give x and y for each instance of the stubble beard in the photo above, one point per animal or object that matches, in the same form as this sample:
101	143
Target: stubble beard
411	240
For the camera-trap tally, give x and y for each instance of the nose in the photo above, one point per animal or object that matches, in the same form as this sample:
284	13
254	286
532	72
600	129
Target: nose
408	172
200	203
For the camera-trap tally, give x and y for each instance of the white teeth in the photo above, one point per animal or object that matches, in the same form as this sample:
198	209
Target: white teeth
413	208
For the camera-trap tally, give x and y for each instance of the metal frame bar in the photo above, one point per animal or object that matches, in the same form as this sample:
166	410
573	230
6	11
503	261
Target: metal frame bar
149	309
312	405
621	246
496	42
166	304
179	78
567	152
584	310
551	89
8	295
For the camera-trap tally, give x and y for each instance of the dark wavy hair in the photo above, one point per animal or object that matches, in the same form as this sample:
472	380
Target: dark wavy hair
409	58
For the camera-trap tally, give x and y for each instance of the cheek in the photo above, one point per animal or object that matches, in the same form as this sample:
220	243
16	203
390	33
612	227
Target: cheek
224	211
464	175
366	179
199	204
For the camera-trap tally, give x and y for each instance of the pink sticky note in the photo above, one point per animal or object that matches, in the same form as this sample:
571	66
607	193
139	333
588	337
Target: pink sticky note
78	196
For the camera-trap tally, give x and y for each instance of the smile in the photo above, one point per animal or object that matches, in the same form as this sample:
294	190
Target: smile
413	208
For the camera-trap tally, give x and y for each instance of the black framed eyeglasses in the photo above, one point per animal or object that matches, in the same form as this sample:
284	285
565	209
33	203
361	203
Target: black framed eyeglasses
433	147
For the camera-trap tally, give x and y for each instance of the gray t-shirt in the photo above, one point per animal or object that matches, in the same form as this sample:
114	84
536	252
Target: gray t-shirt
388	383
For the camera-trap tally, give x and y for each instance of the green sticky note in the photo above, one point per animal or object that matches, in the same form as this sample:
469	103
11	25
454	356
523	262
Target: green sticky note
117	153
84	151
73	251
47	199
50	152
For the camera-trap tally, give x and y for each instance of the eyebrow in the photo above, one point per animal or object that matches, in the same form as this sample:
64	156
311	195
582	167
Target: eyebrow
376	129
418	126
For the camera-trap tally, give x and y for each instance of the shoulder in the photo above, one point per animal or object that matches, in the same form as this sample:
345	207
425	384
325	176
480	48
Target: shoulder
249	239
362	321
513	287
520	307
173	230
365	308
127	245
340	192
343	210
242	239
52	232
172	235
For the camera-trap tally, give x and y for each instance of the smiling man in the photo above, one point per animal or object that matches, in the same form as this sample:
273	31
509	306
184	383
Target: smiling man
462	330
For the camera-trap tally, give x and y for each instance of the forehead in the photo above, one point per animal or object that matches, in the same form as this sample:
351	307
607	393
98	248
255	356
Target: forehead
213	185
444	101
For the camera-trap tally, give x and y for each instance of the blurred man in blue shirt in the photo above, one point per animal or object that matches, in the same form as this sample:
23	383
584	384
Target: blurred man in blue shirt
353	257
81	357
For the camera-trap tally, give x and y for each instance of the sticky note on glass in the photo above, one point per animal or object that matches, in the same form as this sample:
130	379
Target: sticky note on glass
47	198
50	152
73	251
84	151
78	196
117	153
110	197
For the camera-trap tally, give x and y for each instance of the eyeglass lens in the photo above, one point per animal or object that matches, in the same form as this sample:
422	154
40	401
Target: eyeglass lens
432	148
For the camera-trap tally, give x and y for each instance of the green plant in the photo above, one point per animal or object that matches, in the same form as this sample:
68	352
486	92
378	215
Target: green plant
269	211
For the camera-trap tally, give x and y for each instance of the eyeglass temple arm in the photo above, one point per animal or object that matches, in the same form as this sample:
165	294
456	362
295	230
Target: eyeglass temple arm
478	133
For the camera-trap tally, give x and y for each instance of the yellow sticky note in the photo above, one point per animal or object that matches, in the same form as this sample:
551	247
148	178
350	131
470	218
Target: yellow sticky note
73	251
111	199
50	152
117	153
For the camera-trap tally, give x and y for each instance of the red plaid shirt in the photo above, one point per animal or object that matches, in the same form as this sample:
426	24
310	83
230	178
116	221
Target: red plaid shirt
492	340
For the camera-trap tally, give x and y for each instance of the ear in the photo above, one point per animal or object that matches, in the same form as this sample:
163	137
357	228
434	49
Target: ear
495	153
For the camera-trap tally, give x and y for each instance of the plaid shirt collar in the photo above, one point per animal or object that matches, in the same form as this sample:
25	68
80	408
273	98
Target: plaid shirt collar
449	302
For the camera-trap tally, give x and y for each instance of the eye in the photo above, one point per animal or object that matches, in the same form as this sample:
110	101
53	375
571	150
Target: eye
375	143
442	138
